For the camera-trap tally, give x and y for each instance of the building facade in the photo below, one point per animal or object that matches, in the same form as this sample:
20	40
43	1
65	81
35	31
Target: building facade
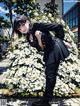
59	2
71	18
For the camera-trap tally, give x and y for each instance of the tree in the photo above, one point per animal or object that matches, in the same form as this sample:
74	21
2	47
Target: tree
8	4
53	2
4	23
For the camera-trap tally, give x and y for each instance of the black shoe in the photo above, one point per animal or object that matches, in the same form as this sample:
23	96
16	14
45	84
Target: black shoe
41	102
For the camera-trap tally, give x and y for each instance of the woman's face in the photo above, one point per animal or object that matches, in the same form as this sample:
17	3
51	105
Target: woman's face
24	28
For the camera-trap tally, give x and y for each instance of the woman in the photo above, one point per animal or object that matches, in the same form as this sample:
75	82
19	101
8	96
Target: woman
54	49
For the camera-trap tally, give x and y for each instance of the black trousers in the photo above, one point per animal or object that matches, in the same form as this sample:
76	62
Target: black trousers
51	74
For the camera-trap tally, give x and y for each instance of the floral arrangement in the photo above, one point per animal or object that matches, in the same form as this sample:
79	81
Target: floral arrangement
26	72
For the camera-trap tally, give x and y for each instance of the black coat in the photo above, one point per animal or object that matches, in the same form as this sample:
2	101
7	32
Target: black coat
53	51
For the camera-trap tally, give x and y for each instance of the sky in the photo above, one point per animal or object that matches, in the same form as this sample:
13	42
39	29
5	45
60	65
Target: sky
3	11
67	5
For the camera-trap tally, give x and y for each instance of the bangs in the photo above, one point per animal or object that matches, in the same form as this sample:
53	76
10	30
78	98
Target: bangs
20	20
19	23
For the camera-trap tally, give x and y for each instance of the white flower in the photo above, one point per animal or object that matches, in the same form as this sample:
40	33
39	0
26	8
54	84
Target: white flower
12	72
77	78
36	88
16	52
15	80
21	61
38	65
49	15
19	72
15	62
72	74
36	14
71	85
62	22
11	56
27	51
57	20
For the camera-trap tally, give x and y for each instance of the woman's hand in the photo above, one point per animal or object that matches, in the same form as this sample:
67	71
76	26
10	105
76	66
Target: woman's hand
68	44
38	36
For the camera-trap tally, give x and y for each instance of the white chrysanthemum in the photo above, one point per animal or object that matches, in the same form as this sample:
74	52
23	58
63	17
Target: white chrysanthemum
36	14
62	22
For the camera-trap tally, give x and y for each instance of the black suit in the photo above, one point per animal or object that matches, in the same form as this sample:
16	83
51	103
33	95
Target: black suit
52	53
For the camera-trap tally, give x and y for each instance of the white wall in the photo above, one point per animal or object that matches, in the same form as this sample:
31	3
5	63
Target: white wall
42	2
60	6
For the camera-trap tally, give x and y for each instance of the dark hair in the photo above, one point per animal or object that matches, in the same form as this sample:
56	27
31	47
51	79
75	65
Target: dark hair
19	20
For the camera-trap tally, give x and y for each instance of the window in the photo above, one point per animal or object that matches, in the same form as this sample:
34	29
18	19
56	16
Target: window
70	15
74	13
70	23
76	21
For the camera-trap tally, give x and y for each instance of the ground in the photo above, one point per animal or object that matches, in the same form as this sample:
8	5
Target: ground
28	101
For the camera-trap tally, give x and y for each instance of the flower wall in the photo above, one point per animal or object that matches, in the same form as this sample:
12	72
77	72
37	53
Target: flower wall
26	73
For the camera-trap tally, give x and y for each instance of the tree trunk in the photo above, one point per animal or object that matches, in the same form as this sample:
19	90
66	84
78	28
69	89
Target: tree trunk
9	5
10	11
53	2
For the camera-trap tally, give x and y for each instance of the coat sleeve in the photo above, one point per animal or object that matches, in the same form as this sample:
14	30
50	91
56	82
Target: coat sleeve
57	28
34	43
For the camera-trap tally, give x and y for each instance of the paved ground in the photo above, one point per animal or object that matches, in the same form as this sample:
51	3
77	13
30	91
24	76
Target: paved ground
28	101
